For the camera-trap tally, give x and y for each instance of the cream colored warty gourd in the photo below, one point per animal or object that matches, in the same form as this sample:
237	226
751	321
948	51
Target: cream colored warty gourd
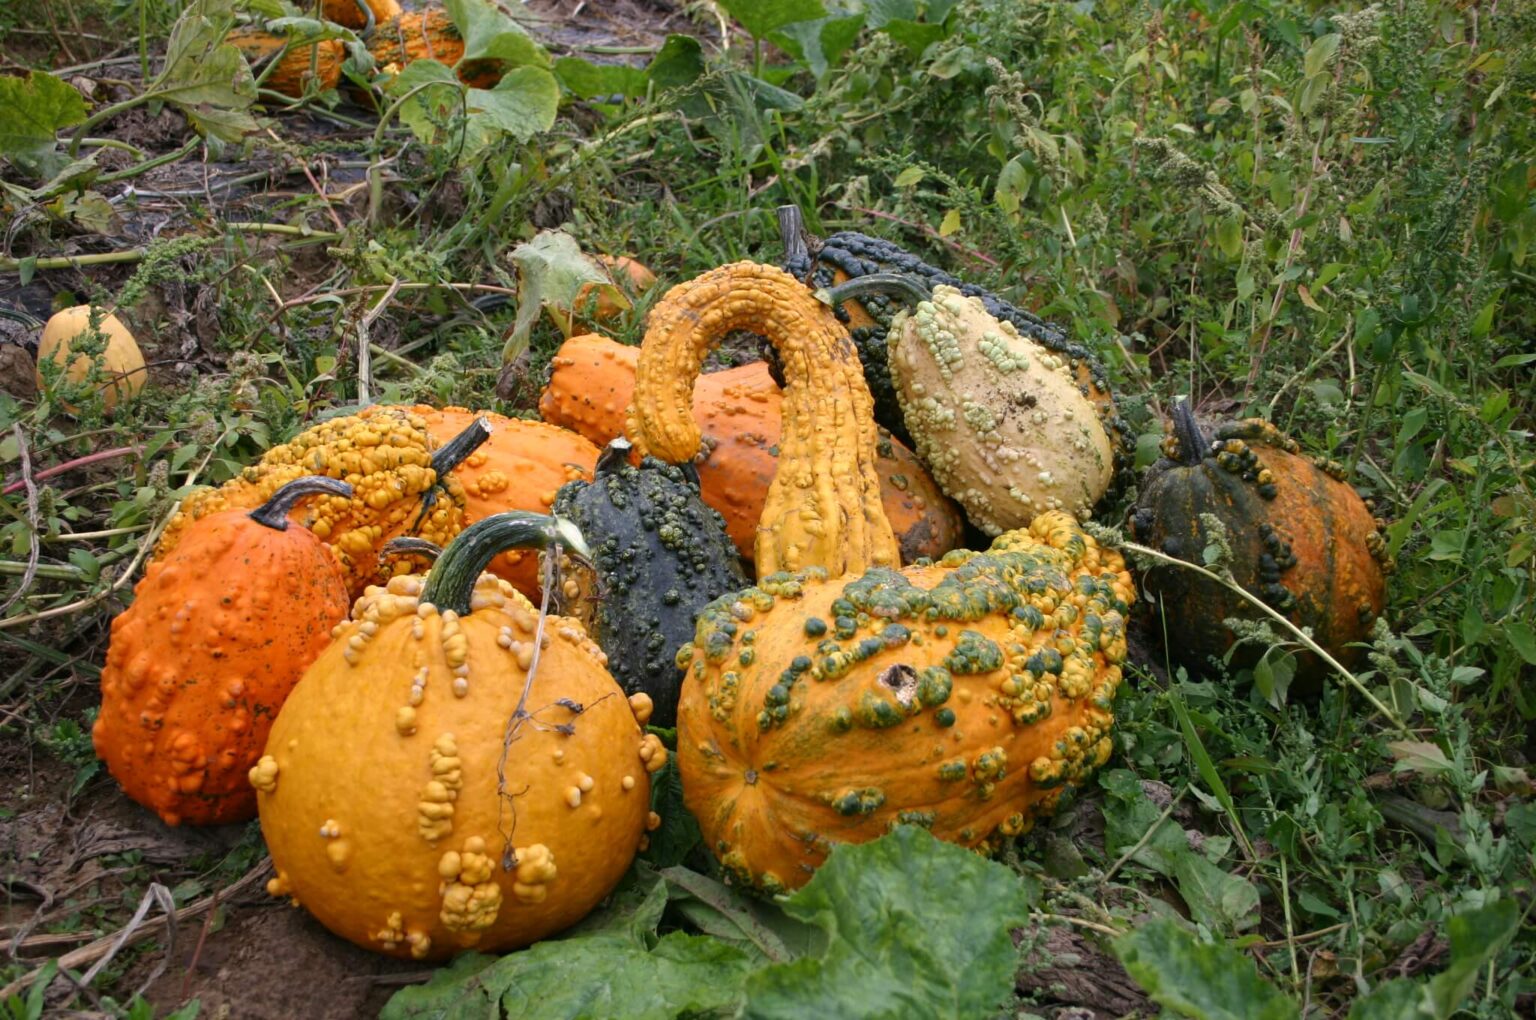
998	419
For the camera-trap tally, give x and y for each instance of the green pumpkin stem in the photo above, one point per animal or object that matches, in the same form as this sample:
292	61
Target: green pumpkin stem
909	289
274	512
369	23
1192	443
451	581
454	452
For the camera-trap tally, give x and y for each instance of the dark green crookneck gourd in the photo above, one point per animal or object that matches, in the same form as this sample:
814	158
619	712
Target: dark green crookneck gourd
659	555
849	255
1300	538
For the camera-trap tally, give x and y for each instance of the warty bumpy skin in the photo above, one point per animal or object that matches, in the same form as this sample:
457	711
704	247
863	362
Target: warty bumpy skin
219	632
738	410
998	419
379	793
962	696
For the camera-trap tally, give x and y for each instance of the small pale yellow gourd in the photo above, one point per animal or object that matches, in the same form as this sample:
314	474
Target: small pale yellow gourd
122	363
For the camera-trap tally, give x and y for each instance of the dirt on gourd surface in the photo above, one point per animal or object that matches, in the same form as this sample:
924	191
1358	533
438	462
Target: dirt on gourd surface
79	858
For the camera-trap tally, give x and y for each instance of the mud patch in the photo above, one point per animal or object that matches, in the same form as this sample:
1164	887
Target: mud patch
270	961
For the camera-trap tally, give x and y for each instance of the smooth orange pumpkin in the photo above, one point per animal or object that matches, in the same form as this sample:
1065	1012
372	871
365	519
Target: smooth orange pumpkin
737	410
219	632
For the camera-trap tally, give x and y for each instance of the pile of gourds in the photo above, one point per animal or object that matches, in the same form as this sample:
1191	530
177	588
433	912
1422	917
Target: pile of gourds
463	759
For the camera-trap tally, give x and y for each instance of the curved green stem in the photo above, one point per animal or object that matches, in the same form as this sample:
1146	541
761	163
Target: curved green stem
898	285
103	114
150	164
274	512
368	20
1192	442
113	143
452	579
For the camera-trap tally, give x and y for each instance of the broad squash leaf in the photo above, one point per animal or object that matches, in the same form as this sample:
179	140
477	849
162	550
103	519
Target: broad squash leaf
611	966
892	949
33	110
1202	980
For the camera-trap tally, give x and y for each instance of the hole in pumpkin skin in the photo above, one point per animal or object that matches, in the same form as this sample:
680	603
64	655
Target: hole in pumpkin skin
902	680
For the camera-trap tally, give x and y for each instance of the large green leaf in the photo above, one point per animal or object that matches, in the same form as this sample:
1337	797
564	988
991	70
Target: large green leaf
1216	898
431	95
205	77
759	17
551	270
522	104
893	949
587	80
818	44
1202	980
33	110
679	62
869	939
613	966
491	35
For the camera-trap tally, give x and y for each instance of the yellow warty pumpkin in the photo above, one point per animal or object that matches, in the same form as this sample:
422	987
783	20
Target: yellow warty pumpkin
421	795
398	472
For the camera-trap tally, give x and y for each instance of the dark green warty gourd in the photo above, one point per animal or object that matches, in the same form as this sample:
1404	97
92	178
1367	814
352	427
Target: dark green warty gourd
659	555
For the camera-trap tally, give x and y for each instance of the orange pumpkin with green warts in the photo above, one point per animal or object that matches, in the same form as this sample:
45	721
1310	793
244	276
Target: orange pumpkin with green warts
738	411
219	632
963	696
1300	539
520	467
453	773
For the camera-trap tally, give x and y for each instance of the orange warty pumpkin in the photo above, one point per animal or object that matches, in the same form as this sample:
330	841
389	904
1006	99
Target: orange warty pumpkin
219	632
738	413
520	467
443	779
401	480
962	696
